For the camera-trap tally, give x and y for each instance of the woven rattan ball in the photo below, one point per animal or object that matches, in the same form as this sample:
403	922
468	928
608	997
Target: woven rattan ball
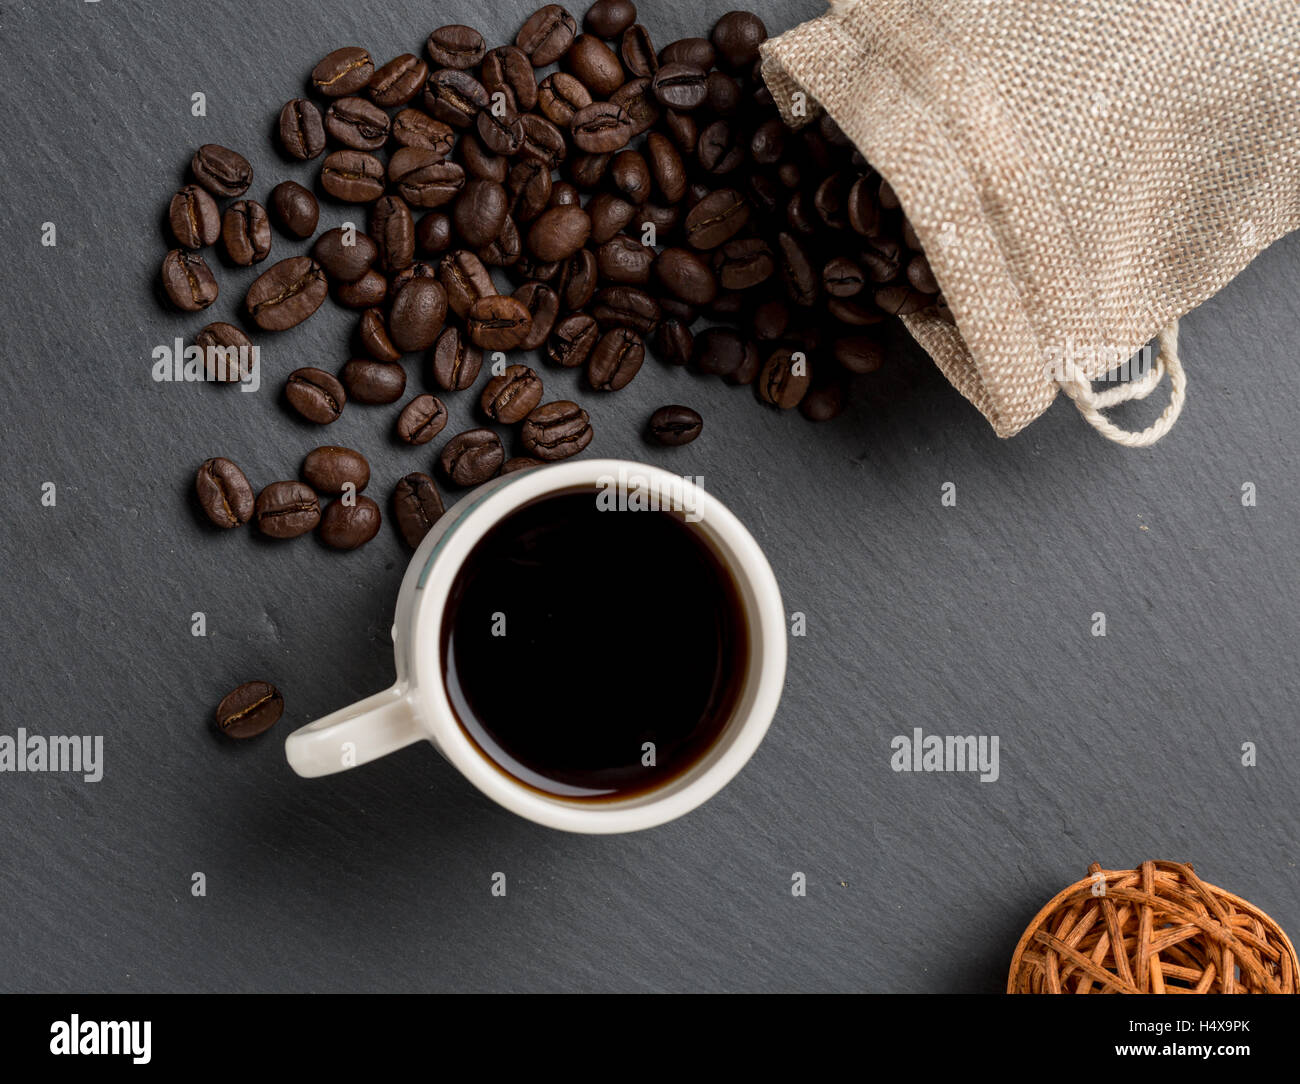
1178	934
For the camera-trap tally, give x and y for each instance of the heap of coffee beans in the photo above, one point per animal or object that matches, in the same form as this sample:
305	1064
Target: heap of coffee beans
628	196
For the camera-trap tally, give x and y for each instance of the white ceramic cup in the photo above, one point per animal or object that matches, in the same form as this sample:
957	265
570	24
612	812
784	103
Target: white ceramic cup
417	705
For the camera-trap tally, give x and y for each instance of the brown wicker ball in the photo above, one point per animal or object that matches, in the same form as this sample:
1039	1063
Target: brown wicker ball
1179	936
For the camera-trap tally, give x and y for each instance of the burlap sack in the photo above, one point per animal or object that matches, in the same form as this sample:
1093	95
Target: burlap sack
1081	173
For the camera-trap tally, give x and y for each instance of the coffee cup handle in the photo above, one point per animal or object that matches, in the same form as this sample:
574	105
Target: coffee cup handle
355	735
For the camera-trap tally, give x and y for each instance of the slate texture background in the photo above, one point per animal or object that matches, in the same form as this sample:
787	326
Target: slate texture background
966	619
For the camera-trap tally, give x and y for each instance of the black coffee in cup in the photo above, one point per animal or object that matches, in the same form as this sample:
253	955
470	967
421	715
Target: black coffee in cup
591	652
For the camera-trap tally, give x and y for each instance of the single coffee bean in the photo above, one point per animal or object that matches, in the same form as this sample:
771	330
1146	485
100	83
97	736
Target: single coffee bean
507	70
499	322
227	352
901	300
743	264
587	171
751	363
615	360
302	132
851	311
418	314
501	132
609	214
631	175
374	382
250	710
415	128
455	46
637	99
456	361
862	209
824	402
888	197
683	130
188	281
352	176
543	305
315	394
465	280
295	209
547	35
286	294
721	149
638	51
393	231
920	275
720	351
609	18
357	123
576	284
543	141
737	36
666	167
433	234
332	469
831	198
194	218
597	66
909	236
626	306
416	507
224	493
680	87
770	320
346	525
784	379
423	179
530	188
505	249
572	339
801	215
559	232
367	292
344	71
454	97
716	219
675	425
556	430
421	420
472	457
600	128
286	510
344	262
882	259
519	462
480	211
858	353
724	94
674	341
697	52
685	275
221	171
801	281
480	162
246	232
512	396
625	261
560	96
841	277
398	81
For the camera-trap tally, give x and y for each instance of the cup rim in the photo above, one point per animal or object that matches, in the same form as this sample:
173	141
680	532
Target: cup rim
766	666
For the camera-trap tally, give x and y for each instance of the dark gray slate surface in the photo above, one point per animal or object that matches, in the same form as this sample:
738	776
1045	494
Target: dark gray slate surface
966	619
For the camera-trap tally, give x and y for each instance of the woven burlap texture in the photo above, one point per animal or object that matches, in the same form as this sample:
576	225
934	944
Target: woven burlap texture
1080	173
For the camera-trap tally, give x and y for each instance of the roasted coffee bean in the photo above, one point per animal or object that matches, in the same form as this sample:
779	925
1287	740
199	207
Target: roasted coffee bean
421	420
418	314
631	175
572	339
600	128
286	510
221	171
194	218
519	462
858	353
433	235
615	359
728	305
609	18
530	188
348	524
502	132
680	87
332	469
543	305
750	365
416	507
414	128
682	129
587	171
667	167
636	98
344	262
302	132
625	261
227	352
720	150
888	197
697	52
638	51
824	402
352	176
801	215
678	310
224	493
507	70
830	199
736	37
719	351
901	300
744	264
547	35
480	162
315	394
367	292
770	320
716	219
686	276
608	214
674	341
393	231
374	382
767	144
398	81
920	275
596	65
454	97
505	249
357	123
295	209
344	71
372	334
472	457
560	96
563	194
512	396
577	281
250	710
423	179
286	294
559	232
862	209
188	281
724	94
499	322
856	313
465	280
420	269
675	425
797	272
556	430
882	259
456	361
626	306
784	379
246	232
543	141
841	277
909	237
480	211
455	46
